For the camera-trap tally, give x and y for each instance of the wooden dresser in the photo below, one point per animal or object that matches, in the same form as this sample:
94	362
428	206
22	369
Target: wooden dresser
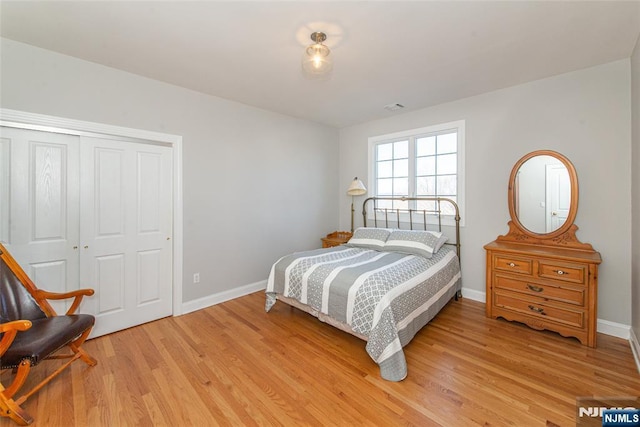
539	273
544	287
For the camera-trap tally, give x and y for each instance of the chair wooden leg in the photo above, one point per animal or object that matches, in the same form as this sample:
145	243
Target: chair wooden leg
75	347
9	408
20	377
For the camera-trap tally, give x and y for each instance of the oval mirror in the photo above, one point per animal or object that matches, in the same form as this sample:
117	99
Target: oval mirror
543	194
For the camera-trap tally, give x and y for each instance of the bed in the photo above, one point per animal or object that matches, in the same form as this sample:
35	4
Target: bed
385	284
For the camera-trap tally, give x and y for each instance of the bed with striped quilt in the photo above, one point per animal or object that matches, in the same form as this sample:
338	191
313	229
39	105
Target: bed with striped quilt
383	297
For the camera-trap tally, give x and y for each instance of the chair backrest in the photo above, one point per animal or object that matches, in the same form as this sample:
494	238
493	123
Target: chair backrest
16	302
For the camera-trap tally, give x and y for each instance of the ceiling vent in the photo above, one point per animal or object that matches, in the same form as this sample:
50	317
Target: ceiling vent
393	107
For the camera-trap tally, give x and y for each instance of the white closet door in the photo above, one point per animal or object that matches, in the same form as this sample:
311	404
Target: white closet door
126	248
39	206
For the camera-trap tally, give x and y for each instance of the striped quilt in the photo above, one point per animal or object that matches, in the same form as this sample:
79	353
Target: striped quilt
385	296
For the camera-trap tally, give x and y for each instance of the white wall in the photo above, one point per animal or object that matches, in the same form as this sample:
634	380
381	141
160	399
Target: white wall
635	194
584	115
256	184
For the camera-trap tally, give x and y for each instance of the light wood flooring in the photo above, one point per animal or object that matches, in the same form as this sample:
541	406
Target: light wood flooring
234	364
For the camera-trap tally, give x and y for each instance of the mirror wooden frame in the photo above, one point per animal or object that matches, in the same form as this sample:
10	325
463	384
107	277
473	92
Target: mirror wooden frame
573	179
565	234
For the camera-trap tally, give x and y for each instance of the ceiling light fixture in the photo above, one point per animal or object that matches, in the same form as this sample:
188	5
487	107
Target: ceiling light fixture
316	61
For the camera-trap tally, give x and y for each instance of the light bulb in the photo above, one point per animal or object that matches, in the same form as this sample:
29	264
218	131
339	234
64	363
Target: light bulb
317	61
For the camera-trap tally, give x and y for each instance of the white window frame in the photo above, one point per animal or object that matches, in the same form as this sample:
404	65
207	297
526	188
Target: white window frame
412	134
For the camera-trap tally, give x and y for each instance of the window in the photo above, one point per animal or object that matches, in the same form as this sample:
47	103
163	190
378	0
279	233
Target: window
426	162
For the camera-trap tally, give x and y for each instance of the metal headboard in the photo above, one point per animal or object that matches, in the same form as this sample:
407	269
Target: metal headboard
413	213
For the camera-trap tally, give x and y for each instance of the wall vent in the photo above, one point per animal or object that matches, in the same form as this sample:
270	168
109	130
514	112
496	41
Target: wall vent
393	107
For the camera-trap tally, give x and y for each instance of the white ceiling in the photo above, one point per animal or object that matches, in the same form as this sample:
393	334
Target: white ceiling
418	53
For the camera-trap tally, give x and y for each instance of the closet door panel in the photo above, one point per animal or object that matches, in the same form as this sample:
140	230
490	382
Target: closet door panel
48	188
109	193
40	190
154	221
110	284
125	219
153	227
149	282
149	183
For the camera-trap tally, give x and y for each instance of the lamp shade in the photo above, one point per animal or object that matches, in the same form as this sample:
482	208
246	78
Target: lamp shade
316	60
356	188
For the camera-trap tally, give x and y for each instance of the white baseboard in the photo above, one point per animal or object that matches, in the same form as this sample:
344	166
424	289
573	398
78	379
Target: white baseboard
604	326
214	299
635	347
474	295
614	329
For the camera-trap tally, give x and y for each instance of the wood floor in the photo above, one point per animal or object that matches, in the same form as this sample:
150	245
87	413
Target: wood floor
234	364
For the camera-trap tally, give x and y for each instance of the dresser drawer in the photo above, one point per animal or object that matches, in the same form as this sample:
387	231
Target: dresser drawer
537	307
572	273
549	291
513	264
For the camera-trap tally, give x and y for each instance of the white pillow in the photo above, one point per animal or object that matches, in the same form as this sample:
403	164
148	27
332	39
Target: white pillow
369	238
423	243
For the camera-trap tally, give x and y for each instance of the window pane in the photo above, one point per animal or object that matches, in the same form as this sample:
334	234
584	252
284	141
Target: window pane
424	205
426	146
382	204
401	205
400	186
446	208
447	164
447	185
385	169
401	168
385	151
426	186
426	165
384	187
401	150
448	143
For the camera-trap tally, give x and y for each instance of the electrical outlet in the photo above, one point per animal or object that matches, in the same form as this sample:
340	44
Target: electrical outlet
196	278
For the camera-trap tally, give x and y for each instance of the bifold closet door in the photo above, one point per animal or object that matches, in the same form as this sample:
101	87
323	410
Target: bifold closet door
39	206
81	212
126	254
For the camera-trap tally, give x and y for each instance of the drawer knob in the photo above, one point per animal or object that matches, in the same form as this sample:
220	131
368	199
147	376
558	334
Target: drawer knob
560	272
537	309
535	288
512	264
